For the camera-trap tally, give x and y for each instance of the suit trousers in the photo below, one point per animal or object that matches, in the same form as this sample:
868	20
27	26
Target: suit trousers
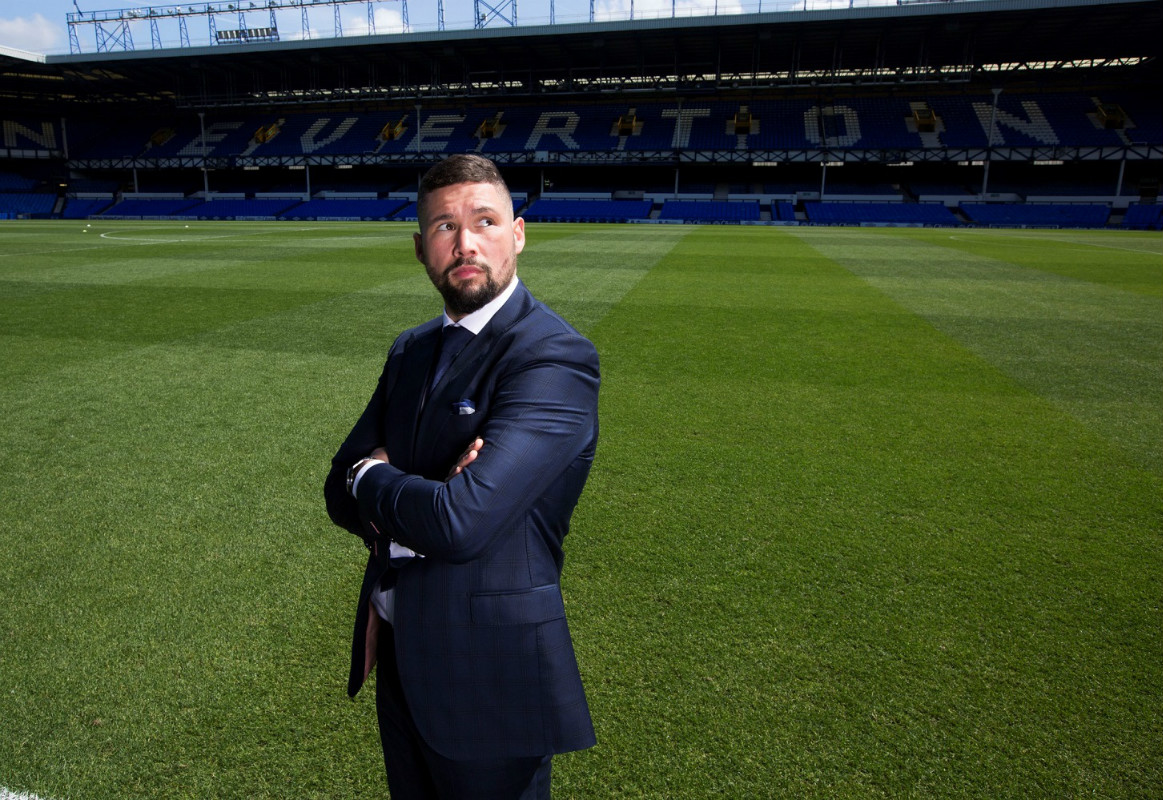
417	772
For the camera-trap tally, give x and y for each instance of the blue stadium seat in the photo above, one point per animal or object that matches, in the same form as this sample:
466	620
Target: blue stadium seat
346	208
240	208
711	210
860	213
1052	215
151	207
32	203
555	210
11	182
82	208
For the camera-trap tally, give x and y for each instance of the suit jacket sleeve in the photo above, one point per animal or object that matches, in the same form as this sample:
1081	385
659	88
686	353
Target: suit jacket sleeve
542	418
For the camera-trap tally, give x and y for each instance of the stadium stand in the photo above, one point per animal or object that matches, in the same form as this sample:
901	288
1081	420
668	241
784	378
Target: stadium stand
1051	215
1021	120
710	211
10	182
880	213
554	210
1141	216
32	204
407	213
946	140
237	208
155	207
345	209
84	207
783	211
846	189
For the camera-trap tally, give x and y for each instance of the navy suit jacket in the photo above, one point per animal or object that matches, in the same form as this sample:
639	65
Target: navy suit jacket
484	653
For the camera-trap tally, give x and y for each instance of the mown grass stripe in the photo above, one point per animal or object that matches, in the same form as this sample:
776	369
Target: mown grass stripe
1092	347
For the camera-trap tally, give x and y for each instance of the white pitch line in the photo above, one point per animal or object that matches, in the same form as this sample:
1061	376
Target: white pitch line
6	794
115	236
111	236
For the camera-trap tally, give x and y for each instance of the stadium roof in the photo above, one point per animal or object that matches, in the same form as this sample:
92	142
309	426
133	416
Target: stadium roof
974	40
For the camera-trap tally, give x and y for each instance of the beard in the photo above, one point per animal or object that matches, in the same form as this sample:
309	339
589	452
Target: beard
468	298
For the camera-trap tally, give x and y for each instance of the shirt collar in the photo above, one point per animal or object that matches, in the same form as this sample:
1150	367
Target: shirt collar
477	320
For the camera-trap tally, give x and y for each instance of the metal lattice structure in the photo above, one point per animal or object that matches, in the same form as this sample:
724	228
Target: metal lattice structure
227	22
486	13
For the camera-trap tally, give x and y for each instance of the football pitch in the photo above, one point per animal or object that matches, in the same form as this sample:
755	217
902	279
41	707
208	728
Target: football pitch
875	512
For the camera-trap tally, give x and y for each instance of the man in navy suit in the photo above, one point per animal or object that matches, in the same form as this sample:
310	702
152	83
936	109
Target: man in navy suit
461	477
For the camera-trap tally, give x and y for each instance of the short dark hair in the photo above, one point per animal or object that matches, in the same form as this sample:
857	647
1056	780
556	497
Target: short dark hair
460	168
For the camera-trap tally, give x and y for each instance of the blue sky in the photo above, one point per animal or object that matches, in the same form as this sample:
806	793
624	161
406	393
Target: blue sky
39	26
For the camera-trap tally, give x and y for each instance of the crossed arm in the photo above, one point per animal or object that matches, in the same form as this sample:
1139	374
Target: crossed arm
541	428
540	433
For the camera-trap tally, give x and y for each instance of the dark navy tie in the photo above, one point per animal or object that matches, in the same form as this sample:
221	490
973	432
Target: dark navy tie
452	340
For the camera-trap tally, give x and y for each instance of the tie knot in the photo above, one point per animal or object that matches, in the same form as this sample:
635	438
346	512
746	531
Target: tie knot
452	340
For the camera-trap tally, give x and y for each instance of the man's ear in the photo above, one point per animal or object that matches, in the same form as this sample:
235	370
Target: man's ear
418	241
518	234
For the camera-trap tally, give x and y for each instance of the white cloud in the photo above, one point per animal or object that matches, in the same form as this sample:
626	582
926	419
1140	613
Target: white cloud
34	34
389	20
386	20
653	9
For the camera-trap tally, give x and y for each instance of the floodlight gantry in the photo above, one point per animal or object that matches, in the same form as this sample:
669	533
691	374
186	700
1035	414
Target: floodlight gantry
113	30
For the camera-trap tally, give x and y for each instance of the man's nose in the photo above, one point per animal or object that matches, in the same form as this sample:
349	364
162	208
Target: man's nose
466	242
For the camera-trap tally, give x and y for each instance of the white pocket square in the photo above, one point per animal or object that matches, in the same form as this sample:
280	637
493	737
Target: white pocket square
464	407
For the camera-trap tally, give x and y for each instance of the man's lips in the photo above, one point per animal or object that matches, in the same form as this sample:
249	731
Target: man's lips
465	271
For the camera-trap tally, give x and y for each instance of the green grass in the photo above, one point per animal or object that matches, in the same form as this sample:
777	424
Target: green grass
876	513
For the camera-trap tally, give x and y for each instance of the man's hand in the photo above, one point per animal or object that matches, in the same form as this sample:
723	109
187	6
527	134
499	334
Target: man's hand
466	458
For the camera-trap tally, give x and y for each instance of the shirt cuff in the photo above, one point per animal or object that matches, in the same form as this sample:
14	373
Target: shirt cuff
360	474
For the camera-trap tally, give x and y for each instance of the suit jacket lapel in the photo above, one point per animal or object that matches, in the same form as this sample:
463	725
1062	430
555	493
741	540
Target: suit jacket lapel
471	358
517	306
407	402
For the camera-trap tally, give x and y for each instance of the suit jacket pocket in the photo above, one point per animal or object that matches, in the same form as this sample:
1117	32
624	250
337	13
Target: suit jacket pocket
529	606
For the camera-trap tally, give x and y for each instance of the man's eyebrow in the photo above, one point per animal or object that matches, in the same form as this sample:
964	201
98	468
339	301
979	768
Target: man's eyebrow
450	215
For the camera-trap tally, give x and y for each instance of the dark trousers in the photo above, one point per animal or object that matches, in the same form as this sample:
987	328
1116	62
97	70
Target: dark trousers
417	772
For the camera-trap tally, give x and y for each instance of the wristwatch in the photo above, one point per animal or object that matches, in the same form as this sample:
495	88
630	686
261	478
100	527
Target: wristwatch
354	469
